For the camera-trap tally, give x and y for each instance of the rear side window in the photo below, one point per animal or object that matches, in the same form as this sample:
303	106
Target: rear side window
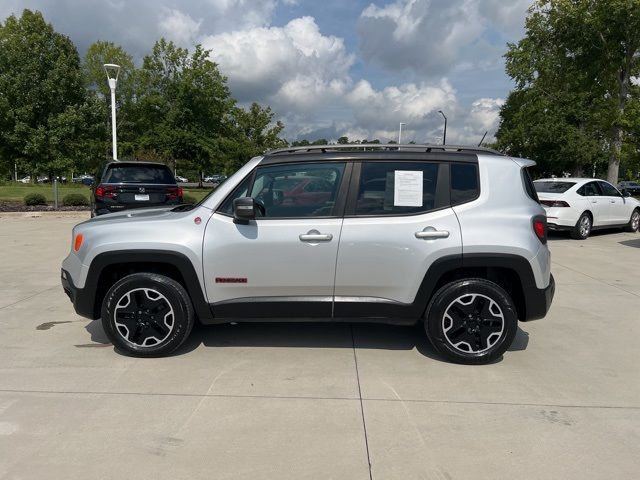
529	186
553	186
589	190
149	174
396	188
464	183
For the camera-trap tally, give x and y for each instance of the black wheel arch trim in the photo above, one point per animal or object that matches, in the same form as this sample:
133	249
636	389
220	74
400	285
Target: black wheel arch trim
87	303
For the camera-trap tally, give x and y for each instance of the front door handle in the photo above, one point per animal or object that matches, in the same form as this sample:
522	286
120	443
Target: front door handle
431	233
613	201
315	236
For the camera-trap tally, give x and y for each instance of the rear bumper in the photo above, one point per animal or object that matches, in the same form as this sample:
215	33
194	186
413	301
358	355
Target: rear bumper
102	208
538	301
558	228
82	302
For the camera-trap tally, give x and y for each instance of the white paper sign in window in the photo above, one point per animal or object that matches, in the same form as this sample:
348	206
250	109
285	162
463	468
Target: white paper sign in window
407	190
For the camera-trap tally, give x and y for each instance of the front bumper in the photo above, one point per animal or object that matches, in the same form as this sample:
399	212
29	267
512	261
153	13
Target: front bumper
82	302
538	301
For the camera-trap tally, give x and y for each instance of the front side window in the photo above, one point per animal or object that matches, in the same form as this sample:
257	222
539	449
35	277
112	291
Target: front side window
396	188
608	190
298	191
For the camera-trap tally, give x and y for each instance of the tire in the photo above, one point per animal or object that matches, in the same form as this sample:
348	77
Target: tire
583	226
634	222
131	313
471	321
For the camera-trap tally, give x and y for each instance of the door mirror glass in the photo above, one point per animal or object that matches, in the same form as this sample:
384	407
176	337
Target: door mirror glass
244	209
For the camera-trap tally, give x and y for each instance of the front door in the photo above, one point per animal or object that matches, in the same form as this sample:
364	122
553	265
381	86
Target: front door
617	209
397	223
283	263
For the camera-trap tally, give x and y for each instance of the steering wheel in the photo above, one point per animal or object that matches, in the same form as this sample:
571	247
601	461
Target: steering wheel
260	208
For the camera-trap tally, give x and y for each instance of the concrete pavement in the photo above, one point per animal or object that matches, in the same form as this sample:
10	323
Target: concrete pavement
319	401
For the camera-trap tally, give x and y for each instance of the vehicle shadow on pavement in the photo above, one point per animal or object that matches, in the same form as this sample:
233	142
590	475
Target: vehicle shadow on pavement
631	243
322	335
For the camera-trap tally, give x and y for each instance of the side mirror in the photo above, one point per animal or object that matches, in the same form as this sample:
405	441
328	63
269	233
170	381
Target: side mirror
626	193
244	209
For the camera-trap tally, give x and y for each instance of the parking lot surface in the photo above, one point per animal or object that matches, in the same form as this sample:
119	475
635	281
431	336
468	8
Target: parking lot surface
294	401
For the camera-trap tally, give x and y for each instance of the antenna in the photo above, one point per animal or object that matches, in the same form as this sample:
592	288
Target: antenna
485	134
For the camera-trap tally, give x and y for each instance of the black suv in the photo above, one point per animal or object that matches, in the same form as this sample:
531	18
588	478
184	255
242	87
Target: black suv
124	185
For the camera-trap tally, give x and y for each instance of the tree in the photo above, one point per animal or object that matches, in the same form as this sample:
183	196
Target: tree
184	106
575	63
42	99
254	133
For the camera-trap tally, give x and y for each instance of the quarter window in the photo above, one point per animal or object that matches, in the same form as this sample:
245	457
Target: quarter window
396	188
464	183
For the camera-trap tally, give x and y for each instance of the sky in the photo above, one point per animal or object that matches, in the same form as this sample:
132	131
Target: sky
329	68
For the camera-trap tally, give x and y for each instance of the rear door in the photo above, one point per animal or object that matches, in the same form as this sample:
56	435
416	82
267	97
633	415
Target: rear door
595	203
398	221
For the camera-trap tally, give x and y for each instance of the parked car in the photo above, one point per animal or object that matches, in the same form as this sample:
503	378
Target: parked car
244	254
632	187
580	205
215	179
26	179
126	185
182	179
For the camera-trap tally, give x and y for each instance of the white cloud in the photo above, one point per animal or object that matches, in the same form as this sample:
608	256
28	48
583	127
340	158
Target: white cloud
430	37
178	26
294	65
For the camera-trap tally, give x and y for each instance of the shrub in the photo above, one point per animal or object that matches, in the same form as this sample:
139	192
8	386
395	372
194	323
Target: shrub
34	199
75	200
189	199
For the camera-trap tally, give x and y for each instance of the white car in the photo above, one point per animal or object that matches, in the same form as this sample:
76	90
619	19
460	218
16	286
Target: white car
580	205
180	179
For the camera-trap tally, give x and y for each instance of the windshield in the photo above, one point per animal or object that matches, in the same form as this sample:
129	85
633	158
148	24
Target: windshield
149	174
552	186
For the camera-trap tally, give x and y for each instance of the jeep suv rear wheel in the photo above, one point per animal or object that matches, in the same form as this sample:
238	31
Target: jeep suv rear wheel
147	314
471	321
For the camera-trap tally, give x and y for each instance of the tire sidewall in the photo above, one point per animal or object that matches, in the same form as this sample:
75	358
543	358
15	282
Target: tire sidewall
447	294
175	295
577	234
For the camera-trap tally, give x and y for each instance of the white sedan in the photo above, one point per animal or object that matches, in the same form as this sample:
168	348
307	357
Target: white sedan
580	205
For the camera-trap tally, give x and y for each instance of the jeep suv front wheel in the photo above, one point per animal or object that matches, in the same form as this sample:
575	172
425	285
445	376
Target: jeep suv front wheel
471	321
147	315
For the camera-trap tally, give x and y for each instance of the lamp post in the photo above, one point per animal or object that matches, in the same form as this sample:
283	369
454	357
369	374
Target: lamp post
112	72
400	133
444	135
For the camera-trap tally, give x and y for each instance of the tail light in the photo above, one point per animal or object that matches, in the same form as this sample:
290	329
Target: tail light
540	228
104	191
554	203
174	193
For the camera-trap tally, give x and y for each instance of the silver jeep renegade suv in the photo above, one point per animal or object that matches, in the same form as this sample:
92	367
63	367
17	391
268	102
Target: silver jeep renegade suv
451	237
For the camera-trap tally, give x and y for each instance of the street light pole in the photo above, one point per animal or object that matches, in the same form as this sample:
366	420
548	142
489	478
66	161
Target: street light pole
400	133
112	72
444	135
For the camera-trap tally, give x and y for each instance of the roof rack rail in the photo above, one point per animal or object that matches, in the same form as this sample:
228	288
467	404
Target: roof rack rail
412	147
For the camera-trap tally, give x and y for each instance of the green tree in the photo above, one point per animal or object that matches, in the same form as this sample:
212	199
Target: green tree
253	133
184	106
573	73
42	99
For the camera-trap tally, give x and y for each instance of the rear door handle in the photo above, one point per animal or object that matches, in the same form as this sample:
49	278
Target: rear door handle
315	236
431	233
613	201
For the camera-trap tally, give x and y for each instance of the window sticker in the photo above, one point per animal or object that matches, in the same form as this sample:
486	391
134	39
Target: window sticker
407	190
